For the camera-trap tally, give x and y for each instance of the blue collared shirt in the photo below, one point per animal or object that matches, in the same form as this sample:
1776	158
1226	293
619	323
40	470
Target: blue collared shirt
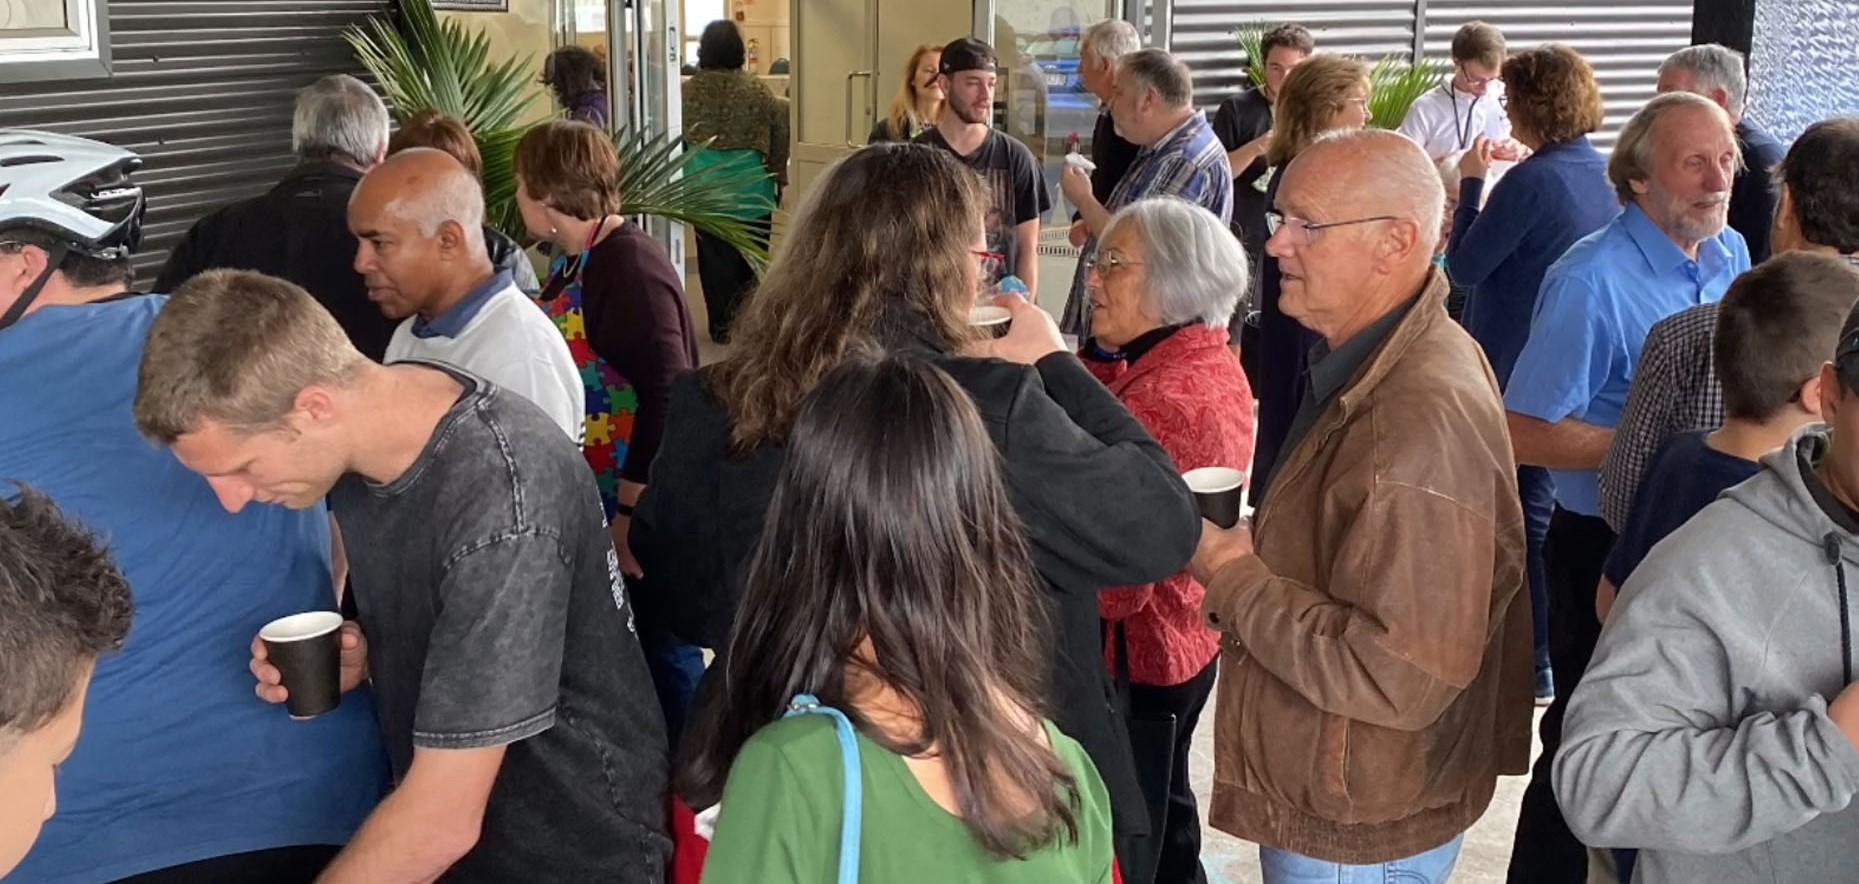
452	322
1597	305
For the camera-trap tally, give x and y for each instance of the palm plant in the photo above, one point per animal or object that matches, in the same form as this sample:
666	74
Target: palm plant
423	63
1394	84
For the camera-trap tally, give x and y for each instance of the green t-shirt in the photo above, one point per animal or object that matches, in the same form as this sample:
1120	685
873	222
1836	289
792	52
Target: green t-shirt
781	814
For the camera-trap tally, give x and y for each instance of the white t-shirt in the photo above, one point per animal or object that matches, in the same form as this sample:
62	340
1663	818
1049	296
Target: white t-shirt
513	344
1446	121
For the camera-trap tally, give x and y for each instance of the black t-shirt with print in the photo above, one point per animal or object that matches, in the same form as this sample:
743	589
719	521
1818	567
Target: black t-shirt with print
1019	191
495	615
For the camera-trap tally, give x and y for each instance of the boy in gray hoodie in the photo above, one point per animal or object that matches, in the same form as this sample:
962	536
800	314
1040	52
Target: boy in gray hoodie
1716	727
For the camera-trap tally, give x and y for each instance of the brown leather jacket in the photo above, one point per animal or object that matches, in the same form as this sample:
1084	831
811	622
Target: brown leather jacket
1376	652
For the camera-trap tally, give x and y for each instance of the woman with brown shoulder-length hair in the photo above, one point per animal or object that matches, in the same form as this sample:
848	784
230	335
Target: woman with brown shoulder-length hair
1324	94
926	633
886	254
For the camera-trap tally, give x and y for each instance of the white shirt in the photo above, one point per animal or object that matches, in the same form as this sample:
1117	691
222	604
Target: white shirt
513	344
1446	121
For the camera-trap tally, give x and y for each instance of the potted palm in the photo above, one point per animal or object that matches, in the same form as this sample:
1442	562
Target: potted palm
423	63
1394	83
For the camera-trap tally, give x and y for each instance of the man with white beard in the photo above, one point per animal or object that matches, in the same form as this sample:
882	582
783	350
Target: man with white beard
1668	251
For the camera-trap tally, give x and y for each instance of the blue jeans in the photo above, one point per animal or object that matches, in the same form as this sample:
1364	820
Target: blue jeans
1431	867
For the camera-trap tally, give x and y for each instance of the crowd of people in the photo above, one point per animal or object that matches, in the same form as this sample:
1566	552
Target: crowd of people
1534	426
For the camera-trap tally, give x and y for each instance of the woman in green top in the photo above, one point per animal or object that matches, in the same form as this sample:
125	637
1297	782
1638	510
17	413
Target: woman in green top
746	126
893	582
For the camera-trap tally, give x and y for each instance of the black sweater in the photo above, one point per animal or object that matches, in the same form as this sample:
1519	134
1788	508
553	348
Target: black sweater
1103	504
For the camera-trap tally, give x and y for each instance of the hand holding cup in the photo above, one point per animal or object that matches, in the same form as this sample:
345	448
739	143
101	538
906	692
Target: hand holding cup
306	645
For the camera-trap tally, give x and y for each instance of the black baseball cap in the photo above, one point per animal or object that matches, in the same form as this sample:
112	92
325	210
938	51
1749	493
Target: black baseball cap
967	54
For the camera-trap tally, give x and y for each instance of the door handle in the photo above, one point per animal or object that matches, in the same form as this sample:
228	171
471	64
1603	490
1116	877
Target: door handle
849	78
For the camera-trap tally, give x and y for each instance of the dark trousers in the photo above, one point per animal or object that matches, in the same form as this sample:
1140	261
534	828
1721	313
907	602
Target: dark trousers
1538	493
282	865
1544	849
1180	837
676	668
727	277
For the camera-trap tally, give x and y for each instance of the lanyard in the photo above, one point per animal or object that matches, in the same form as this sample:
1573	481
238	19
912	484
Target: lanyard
1463	131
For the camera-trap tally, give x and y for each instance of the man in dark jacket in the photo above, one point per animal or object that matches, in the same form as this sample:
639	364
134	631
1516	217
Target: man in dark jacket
1103	505
298	230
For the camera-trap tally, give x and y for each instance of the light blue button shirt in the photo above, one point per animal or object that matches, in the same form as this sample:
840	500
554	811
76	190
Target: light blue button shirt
1598	302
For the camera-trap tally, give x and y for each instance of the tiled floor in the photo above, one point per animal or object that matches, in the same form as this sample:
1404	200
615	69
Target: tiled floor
1229	860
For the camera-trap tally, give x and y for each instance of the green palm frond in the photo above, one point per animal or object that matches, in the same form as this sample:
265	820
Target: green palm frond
423	63
1394	85
1252	42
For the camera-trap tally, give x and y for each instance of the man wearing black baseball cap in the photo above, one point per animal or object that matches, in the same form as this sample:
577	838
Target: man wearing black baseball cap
1020	197
1716	728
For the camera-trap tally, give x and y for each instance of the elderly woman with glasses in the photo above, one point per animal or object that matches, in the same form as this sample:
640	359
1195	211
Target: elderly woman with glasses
1165	280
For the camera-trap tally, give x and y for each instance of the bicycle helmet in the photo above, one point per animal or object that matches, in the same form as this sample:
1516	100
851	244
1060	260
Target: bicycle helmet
74	189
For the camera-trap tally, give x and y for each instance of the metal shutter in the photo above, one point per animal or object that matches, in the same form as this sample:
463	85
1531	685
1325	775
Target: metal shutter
1203	34
1625	41
203	90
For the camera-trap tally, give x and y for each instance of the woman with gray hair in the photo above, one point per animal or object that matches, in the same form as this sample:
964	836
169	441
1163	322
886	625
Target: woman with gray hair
1166	279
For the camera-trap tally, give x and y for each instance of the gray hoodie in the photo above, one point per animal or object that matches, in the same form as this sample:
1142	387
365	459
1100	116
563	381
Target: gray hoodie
1700	732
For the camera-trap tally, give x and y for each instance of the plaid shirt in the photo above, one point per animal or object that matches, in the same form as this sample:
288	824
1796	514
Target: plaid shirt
1675	391
1189	163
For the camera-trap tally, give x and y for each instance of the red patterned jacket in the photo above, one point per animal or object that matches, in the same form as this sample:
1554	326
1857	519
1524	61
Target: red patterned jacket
1190	393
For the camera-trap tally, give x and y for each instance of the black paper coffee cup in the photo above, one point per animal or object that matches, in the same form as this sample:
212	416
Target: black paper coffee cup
307	649
993	321
1218	491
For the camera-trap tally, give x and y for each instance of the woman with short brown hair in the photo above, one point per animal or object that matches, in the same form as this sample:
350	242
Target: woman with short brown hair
620	305
1500	251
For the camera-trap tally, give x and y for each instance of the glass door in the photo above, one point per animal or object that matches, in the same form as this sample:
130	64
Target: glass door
1042	100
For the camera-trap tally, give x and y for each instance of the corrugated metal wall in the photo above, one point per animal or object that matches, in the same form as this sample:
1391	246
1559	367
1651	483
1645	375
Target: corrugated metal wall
203	90
1624	40
1203	34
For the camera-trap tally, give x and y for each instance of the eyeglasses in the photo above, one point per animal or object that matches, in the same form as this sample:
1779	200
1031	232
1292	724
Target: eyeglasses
1275	222
1504	100
1108	264
1477	81
987	258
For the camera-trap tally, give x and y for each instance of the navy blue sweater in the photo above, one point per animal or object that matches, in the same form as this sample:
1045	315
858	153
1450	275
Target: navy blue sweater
1540	208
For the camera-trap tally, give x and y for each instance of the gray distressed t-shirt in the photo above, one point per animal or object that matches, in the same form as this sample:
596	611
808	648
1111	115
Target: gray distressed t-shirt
495	614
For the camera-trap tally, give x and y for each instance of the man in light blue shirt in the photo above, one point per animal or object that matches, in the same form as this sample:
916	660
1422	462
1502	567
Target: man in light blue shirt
181	775
1668	251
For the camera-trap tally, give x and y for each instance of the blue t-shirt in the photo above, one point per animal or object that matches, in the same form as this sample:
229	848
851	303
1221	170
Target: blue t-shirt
1597	305
179	761
1685	477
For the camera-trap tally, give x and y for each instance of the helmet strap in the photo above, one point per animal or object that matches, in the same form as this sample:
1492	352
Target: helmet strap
19	308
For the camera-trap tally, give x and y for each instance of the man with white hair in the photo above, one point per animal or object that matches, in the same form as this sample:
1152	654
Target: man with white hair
1668	251
298	230
1181	157
1375	614
419	217
1099	53
1716	72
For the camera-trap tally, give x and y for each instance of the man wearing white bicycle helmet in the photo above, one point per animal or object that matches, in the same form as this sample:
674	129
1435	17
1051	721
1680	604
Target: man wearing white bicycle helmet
180	773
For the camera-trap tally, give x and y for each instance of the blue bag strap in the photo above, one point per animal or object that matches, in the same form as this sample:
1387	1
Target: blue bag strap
849	824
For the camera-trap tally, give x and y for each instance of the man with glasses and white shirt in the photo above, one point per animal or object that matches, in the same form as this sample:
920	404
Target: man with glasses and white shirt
1450	119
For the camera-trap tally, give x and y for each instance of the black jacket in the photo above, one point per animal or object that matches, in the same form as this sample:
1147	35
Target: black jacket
1103	504
299	231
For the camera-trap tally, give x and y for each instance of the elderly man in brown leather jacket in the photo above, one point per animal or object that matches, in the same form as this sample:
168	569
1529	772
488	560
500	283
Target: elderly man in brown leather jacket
1376	652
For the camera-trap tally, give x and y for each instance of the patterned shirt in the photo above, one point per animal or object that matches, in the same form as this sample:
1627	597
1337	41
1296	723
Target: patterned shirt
1188	163
1675	391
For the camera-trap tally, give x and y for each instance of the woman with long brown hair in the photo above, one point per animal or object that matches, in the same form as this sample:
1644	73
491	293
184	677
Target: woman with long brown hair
919	98
884	255
926	633
1324	94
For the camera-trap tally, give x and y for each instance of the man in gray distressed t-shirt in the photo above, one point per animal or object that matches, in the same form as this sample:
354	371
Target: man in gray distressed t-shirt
526	741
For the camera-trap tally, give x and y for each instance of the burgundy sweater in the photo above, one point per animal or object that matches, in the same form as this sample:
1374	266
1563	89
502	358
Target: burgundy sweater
637	320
